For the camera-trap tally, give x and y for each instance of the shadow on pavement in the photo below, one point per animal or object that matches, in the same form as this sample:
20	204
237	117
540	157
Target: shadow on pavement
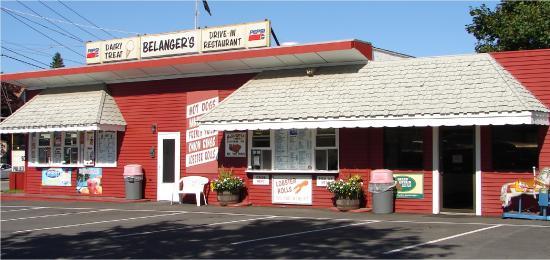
192	241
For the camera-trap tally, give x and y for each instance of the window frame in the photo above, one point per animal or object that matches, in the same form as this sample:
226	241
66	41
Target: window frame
313	149
81	146
536	130
421	165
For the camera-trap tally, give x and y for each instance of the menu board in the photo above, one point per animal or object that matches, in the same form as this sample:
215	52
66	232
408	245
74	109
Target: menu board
293	149
106	147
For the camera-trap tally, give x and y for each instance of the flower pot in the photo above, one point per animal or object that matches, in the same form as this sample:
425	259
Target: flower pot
347	204
227	197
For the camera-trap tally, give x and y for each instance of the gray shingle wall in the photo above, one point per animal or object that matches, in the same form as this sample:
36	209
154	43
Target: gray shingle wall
74	106
423	86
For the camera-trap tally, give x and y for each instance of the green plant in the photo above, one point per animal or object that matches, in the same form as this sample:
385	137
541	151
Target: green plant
350	189
227	182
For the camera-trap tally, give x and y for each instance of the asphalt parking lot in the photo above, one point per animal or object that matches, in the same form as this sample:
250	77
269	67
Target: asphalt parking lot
32	229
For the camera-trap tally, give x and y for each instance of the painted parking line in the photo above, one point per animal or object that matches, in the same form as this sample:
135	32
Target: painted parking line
14	210
303	232
56	215
441	239
193	227
94	223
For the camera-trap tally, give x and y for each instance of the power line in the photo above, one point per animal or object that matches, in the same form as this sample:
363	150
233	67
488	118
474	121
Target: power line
10	50
40	52
79	54
61	28
65	22
44	26
82	29
72	10
7	56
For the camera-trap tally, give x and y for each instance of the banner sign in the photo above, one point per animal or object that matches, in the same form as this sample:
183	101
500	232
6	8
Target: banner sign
238	36
56	177
88	181
292	189
260	179
411	185
235	144
169	44
201	145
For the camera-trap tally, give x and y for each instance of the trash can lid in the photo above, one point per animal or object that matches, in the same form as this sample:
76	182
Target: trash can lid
133	169
381	176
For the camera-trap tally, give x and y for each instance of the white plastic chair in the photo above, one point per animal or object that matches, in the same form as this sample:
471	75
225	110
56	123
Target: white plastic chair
190	185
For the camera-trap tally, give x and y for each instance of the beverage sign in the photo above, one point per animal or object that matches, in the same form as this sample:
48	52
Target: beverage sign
260	179
238	36
201	145
292	189
56	177
235	144
410	185
170	44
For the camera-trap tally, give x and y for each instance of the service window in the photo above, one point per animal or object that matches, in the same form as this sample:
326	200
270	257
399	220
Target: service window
515	148
261	150
294	149
403	148
44	148
71	145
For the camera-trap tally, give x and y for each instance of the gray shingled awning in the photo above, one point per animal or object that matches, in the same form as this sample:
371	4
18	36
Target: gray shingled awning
66	109
437	91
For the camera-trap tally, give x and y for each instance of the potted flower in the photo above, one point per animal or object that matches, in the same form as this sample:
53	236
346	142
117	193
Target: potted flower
347	193
228	187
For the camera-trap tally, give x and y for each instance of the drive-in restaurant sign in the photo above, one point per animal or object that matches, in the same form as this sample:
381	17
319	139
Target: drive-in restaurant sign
212	39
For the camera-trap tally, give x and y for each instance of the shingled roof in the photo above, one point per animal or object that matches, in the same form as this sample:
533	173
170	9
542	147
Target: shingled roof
66	109
450	90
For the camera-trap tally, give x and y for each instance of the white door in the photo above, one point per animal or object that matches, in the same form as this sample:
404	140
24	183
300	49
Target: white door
168	161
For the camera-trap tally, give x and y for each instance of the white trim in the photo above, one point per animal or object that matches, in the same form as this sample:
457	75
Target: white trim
177	161
436	182
94	127
478	170
508	118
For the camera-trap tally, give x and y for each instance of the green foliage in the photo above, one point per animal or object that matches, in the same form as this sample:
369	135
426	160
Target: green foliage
513	25
350	189
57	61
227	182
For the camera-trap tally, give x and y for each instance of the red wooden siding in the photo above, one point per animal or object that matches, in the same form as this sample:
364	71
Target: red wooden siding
532	69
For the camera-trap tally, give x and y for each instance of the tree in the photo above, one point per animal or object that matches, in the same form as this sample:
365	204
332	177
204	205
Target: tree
57	61
513	25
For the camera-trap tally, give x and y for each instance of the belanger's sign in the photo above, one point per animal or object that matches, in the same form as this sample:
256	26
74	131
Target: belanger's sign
238	36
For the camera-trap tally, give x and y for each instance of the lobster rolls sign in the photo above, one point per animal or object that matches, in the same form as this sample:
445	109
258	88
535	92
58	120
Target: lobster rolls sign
201	145
292	189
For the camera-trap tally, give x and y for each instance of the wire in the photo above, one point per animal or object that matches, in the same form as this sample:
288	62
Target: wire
59	27
72	10
44	26
79	54
82	29
41	53
4	55
10	50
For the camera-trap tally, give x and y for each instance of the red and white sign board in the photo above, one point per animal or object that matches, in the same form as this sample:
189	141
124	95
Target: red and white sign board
201	145
292	189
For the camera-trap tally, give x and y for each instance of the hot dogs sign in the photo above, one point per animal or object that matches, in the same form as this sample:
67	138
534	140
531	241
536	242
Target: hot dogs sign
292	189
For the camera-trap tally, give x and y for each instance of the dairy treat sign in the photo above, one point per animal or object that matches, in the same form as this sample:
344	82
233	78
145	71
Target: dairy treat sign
201	145
292	189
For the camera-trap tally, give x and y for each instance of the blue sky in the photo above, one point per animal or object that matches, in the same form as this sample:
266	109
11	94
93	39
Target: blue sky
417	28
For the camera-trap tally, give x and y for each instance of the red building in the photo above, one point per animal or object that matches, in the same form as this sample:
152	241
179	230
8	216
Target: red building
459	126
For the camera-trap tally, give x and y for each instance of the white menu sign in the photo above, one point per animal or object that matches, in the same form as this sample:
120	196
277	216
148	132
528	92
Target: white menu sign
322	181
202	146
292	189
260	179
170	44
